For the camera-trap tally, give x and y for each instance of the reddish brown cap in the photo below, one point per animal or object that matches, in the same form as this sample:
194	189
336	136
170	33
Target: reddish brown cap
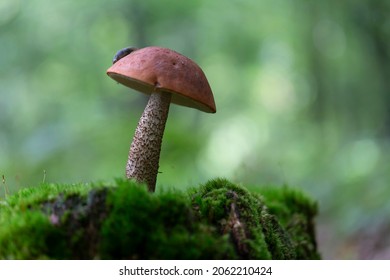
155	69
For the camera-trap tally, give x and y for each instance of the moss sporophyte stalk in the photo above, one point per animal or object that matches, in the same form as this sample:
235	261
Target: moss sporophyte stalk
122	220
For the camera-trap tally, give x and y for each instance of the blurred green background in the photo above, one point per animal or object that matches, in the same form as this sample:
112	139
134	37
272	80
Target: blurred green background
302	92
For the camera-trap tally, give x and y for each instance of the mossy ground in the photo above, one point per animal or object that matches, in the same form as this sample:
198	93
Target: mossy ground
217	220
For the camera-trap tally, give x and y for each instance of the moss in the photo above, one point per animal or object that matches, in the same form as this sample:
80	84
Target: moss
217	220
147	226
233	210
29	235
295	212
30	196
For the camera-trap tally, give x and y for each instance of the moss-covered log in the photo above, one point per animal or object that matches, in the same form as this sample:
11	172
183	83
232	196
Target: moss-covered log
218	220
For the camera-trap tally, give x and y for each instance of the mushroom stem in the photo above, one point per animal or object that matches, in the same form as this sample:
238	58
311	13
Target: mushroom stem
144	154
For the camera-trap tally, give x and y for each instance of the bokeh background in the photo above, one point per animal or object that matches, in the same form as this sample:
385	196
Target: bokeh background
302	92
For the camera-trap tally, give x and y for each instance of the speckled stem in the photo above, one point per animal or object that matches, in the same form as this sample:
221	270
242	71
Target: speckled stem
144	155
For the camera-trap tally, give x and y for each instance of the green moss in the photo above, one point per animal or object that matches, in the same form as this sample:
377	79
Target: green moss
29	235
34	195
295	212
232	209
28	226
217	220
284	201
147	226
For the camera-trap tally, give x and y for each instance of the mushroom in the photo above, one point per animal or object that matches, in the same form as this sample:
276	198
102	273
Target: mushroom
168	77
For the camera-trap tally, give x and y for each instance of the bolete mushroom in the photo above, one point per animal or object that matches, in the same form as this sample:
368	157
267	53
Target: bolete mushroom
166	76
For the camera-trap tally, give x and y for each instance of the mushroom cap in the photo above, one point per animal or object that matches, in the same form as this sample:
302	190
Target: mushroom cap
156	69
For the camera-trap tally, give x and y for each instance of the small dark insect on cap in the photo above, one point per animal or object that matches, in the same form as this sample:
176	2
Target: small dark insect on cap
122	53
